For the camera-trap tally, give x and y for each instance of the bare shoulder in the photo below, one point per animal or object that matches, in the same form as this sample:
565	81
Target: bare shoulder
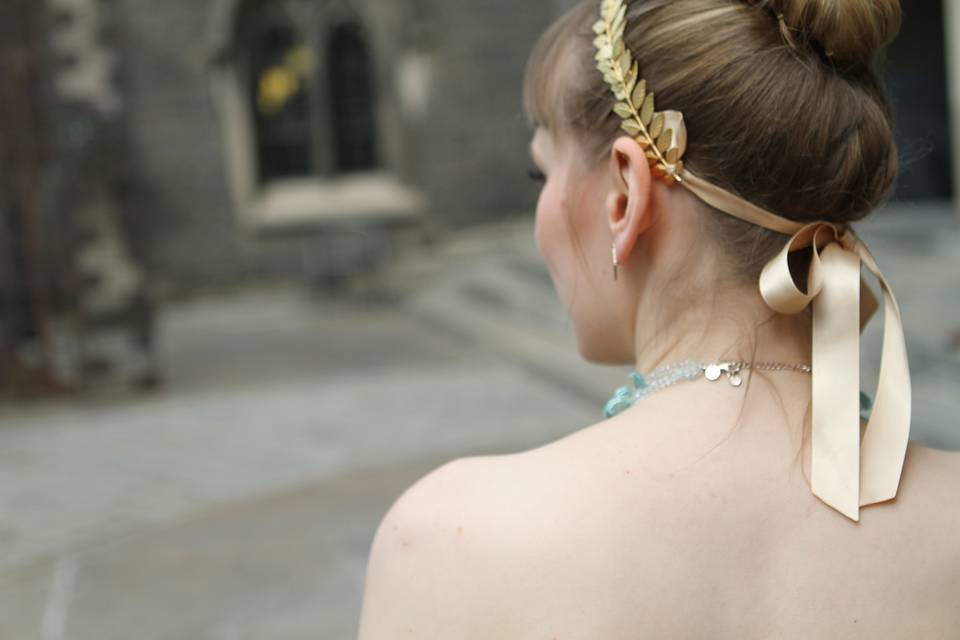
929	484
420	508
481	505
938	461
433	569
419	522
928	514
451	499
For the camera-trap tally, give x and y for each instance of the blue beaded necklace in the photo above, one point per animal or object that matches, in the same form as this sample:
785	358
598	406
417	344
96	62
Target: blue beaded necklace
669	374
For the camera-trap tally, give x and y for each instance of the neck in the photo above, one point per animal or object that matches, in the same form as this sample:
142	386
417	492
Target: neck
711	336
772	338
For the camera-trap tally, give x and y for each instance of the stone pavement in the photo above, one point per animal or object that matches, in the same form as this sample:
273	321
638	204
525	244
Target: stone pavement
221	506
288	565
240	500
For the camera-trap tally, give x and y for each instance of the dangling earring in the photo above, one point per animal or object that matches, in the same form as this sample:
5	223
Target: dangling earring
616	262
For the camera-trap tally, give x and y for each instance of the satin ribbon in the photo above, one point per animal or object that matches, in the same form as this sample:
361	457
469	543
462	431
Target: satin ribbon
847	472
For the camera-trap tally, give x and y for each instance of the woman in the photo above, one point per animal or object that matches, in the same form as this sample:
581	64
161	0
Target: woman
734	491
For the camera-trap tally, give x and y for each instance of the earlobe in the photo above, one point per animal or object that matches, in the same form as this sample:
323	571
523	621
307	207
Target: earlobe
628	205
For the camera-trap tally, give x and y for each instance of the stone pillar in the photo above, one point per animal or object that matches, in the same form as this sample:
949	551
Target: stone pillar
951	26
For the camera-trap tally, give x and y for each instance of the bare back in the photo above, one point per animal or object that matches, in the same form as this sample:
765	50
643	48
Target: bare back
633	528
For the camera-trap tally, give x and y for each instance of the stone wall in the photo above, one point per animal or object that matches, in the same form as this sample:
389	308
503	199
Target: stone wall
466	152
179	193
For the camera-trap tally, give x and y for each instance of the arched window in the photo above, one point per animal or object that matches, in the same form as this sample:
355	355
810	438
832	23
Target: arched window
295	86
278	72
350	88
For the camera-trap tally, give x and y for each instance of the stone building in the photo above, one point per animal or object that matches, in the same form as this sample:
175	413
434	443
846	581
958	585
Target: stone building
257	128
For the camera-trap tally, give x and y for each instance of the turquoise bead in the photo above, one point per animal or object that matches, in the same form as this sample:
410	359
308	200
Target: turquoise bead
865	405
622	399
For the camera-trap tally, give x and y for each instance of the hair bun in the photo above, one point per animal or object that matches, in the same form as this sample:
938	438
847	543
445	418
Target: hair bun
850	31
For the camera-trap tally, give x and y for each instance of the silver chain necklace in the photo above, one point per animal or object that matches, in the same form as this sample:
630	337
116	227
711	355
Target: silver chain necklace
669	374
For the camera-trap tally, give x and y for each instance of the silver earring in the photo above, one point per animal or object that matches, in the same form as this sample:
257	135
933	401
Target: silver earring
616	262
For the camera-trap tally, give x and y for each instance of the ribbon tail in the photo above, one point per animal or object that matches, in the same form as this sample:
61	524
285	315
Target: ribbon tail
888	430
835	438
868	304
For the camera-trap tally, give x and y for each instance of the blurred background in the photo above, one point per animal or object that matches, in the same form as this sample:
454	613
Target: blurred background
265	263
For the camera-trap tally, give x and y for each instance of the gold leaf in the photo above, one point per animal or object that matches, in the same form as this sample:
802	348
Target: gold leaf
617	48
656	125
646	112
599	27
679	166
631	78
651	154
675	122
600	41
619	19
618	31
664	141
631	127
639	93
623	110
673	155
624	61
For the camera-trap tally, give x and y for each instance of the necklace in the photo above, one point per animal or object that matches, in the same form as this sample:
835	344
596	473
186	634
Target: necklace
669	374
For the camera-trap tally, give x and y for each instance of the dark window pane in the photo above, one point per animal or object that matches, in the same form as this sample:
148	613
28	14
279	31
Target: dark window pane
352	100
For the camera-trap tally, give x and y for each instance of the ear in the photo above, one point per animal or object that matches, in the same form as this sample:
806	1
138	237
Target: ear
629	210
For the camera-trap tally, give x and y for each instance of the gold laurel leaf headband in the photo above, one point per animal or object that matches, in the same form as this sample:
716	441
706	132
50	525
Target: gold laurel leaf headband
846	473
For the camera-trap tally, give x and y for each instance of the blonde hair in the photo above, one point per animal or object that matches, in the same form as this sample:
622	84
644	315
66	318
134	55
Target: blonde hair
782	104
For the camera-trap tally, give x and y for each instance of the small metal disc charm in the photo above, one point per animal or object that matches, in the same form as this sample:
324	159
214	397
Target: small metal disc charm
712	372
735	379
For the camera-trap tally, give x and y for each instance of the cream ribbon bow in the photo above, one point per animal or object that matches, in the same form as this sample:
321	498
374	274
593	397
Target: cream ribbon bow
845	472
